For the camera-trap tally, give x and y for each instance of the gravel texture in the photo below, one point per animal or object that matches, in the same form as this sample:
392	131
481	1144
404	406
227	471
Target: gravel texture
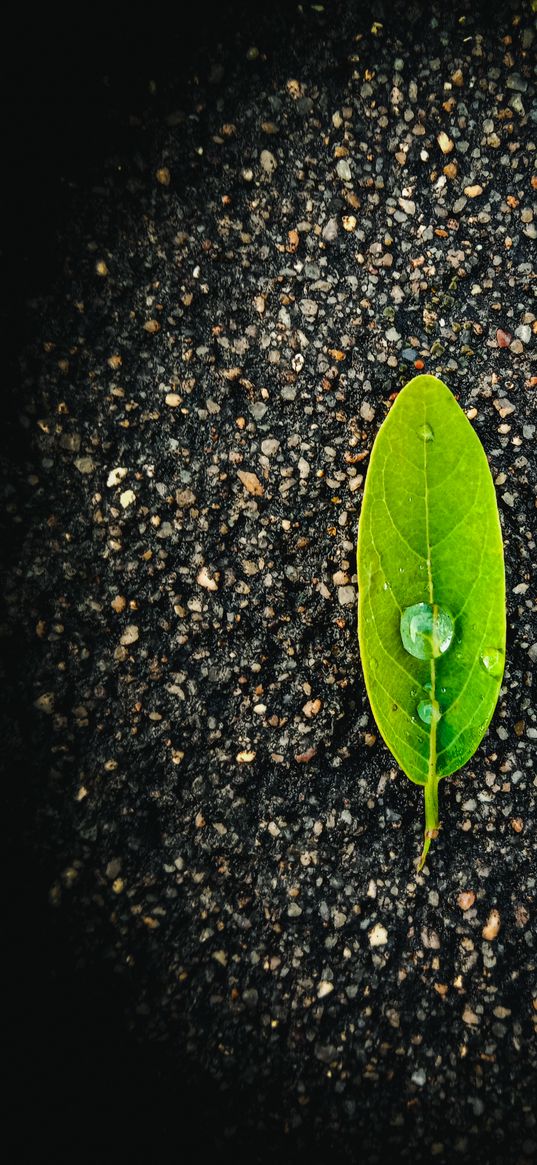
330	201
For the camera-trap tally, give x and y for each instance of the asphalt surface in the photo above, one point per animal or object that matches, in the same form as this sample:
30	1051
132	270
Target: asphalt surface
248	245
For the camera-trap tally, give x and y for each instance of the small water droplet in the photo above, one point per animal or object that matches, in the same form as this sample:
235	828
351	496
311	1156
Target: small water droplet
492	661
425	432
429	711
426	630
385	587
428	687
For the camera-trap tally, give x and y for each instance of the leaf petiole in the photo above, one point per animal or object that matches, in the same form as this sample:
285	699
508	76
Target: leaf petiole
432	824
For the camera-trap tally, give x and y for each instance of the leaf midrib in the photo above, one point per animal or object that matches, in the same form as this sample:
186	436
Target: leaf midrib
431	768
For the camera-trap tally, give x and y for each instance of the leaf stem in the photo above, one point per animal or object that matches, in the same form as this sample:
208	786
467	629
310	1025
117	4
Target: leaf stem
432	823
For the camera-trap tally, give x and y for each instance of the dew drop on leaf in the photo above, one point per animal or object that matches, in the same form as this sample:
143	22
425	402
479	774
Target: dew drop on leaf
492	661
429	711
425	432
426	630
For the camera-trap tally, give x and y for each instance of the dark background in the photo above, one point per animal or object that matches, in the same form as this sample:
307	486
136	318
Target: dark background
78	1081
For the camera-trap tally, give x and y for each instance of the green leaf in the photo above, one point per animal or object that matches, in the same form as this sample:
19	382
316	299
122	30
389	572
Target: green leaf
431	573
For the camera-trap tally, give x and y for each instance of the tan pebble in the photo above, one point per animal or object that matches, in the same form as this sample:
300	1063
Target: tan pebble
101	268
250	482
172	399
378	935
294	239
324	988
445	143
451	169
118	604
473	191
259	304
466	899
441	988
152	326
115	361
245	757
457	78
151	923
185	498
163	176
517	824
130	635
294	89
340	578
349	222
116	476
469	1016
204	580
85	464
312	708
118	885
45	703
127	498
492	928
199	821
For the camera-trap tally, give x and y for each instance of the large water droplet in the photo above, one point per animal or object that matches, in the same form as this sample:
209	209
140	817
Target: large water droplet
426	630
425	432
429	711
492	660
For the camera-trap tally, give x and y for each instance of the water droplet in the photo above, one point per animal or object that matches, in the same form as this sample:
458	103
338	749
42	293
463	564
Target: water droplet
425	432
428	687
426	630
492	660
385	587
429	711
